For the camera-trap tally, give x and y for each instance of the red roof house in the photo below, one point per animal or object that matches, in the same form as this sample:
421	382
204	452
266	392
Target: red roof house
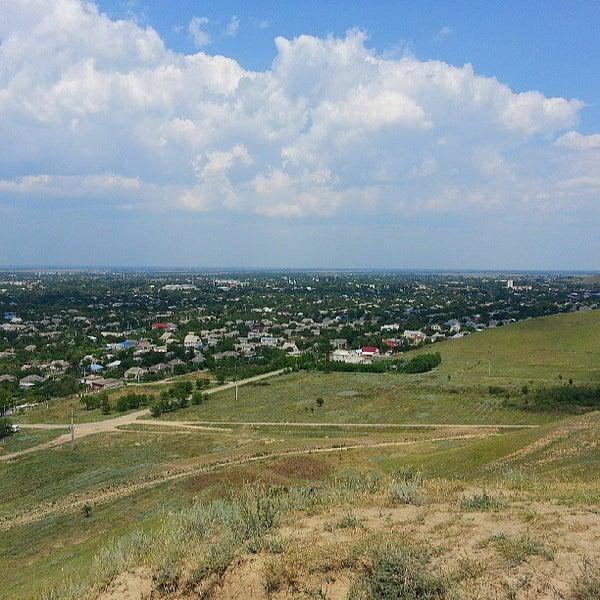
369	350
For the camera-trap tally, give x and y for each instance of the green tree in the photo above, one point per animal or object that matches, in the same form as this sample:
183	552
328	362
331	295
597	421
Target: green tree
6	429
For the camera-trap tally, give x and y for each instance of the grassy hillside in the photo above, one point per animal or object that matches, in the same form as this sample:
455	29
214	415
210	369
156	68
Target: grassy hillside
536	349
520	473
342	494
358	398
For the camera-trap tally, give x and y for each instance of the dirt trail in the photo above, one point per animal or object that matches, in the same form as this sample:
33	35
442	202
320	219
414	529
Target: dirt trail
109	494
113	424
352	425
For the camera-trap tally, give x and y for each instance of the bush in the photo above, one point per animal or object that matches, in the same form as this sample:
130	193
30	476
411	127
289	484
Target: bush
587	584
6	429
405	487
105	405
398	574
496	390
91	401
422	363
202	383
198	398
518	549
570	399
168	403
131	402
482	501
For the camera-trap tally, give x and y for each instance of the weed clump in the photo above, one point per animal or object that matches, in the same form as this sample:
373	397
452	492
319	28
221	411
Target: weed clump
482	501
518	549
405	487
398	574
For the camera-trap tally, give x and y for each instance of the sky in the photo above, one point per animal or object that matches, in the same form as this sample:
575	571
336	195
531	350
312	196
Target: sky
335	134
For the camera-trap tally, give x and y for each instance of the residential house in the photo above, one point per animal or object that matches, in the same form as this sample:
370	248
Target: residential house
414	336
29	381
339	343
369	351
191	340
136	373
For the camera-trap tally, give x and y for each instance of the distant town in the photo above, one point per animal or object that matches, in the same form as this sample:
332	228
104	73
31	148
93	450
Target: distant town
66	333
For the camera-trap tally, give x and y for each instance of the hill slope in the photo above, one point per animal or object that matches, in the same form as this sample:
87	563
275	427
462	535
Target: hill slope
536	349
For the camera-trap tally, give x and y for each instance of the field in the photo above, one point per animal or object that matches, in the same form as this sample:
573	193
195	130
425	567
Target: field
184	506
358	398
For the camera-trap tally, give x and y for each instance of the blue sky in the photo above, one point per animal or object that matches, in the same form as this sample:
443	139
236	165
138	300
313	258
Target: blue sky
300	134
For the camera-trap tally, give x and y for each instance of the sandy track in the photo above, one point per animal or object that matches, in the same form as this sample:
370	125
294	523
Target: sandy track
111	493
113	424
348	425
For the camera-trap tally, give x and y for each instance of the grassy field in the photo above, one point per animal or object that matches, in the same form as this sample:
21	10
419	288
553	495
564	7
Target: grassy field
28	438
532	353
536	350
136	479
43	553
358	398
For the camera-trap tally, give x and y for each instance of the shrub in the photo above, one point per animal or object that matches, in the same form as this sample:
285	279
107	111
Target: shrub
421	363
517	550
398	574
404	489
105	405
198	398
482	501
347	521
496	390
91	401
6	429
572	399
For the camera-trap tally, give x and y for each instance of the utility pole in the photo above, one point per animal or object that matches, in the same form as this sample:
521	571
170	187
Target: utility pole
236	383
72	428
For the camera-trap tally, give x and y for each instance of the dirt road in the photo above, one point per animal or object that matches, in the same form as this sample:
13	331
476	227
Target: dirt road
345	425
112	424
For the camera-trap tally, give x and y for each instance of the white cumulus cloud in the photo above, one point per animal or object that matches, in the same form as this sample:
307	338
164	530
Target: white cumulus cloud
197	32
233	26
331	128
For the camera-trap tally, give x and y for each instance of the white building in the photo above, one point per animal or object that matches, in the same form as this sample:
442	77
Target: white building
191	340
414	336
352	357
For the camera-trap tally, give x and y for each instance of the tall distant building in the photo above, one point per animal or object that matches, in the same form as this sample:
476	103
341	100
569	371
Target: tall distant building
510	284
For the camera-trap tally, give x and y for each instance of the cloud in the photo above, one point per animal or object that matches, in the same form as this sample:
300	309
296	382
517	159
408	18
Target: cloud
576	141
200	37
333	129
67	186
233	26
443	34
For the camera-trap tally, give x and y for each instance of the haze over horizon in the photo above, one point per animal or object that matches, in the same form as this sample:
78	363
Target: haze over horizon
297	135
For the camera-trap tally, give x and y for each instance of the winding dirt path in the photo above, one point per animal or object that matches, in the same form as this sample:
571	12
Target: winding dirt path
112	424
342	425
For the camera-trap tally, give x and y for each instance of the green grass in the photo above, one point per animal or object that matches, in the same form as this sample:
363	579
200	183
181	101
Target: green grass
27	438
58	411
537	350
561	463
358	398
